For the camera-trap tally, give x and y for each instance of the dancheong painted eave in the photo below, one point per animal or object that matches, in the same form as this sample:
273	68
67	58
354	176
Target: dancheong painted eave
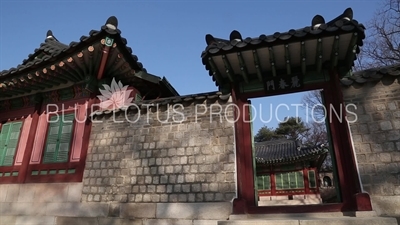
321	46
57	65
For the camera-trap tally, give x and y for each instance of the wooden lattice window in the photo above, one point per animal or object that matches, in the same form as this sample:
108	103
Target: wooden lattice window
312	182
9	137
58	141
289	180
264	182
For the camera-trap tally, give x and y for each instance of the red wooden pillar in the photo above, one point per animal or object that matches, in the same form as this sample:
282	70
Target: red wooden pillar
29	143
239	204
347	170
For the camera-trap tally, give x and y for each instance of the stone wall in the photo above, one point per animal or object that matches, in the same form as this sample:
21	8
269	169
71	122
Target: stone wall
376	137
178	153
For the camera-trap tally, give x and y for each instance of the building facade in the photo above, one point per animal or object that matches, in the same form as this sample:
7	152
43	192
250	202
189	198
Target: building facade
70	157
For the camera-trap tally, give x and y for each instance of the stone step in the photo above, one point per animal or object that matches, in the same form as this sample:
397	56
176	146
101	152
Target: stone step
303	215
315	221
53	220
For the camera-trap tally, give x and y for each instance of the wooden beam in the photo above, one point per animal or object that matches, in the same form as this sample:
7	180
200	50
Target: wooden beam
228	68
46	78
89	59
116	67
258	66
81	64
65	69
10	88
351	50
335	52
74	66
272	61
287	59
215	72
318	58
243	68
30	80
303	58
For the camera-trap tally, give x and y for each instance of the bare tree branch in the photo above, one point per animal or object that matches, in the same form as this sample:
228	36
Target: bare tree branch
382	45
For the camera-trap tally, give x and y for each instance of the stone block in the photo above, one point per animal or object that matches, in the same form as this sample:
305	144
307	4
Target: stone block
22	208
205	222
193	210
74	192
118	221
34	220
386	125
138	210
7	220
73	209
167	222
3	192
12	192
55	192
76	221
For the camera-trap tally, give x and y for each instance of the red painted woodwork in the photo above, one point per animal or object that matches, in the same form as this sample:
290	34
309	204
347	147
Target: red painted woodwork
79	129
275	192
32	138
349	184
19	154
38	144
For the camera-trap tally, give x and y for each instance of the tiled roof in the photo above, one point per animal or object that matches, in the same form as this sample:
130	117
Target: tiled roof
281	151
252	60
370	75
56	50
50	47
237	43
212	96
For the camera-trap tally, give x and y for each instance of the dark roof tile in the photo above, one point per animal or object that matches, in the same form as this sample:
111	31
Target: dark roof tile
221	46
164	101
282	151
370	75
53	48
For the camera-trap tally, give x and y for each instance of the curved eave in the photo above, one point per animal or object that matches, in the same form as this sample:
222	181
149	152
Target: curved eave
391	73
294	159
296	51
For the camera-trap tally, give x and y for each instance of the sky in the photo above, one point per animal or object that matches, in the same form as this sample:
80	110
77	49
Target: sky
167	36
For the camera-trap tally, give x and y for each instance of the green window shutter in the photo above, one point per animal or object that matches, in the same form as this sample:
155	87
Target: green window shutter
264	182
300	179
278	181
267	182
5	132
311	179
260	183
8	142
285	181
292	180
58	139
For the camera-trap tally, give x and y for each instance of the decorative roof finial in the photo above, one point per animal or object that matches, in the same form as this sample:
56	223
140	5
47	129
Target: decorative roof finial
112	22
209	39
49	34
235	35
317	21
348	14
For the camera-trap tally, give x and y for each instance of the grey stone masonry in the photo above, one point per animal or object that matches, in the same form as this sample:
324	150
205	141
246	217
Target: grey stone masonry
180	152
376	134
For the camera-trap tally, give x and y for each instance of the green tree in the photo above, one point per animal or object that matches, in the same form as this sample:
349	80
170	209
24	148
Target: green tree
292	128
265	134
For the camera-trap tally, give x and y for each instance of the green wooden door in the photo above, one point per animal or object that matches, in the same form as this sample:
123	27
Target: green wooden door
58	139
9	137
